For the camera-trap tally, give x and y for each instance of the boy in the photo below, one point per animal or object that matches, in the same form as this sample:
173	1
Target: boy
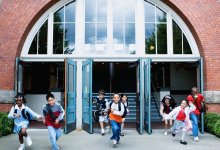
102	105
53	113
115	116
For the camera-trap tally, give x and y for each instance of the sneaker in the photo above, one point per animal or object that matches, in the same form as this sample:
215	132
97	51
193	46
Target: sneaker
22	147
121	134
102	132
183	142
117	142
173	134
114	142
107	129
196	139
165	133
28	140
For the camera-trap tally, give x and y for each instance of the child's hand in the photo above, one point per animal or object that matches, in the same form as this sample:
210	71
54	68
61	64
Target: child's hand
56	122
44	121
16	115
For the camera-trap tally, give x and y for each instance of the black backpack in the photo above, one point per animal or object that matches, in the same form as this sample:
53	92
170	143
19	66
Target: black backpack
24	114
119	108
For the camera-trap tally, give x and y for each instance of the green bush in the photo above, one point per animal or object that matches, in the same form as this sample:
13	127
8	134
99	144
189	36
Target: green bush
6	125
212	123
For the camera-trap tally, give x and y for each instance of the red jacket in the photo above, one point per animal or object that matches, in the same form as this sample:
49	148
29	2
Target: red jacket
196	102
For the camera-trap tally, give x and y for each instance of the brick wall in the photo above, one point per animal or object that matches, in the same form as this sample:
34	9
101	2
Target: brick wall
5	107
214	108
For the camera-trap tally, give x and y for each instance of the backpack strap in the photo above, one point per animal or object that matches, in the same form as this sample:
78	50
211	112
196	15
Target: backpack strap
50	112
119	105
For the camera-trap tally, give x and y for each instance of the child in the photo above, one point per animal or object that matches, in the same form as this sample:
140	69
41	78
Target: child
167	105
102	105
20	113
53	113
115	116
180	115
124	100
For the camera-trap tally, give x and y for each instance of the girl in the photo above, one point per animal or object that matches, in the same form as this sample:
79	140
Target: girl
181	116
124	100
167	105
20	113
53	113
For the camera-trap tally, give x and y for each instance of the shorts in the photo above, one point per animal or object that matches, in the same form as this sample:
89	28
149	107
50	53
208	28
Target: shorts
103	119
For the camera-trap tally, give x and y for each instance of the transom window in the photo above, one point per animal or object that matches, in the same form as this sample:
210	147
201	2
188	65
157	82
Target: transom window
109	28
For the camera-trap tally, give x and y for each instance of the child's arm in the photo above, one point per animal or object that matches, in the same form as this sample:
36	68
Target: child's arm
161	110
11	113
60	117
172	113
34	114
117	112
192	106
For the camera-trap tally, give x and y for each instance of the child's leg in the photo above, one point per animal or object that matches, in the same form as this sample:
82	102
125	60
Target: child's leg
52	134
58	133
21	139
122	124
183	134
101	125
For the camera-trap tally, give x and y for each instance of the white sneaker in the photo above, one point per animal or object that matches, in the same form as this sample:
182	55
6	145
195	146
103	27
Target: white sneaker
196	139
114	142
165	133
102	132
28	140
107	129
22	147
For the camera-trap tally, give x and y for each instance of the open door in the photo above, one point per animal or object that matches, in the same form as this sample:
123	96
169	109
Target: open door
201	88
139	97
147	96
18	75
70	95
87	95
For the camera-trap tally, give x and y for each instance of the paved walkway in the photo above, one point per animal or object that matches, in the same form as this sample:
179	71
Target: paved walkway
80	140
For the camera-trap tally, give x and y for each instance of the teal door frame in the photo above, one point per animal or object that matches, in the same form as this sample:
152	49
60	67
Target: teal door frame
70	95
147	95
18	75
87	95
201	87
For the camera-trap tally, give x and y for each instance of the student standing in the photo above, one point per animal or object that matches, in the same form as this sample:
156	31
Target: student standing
124	100
21	115
115	117
53	114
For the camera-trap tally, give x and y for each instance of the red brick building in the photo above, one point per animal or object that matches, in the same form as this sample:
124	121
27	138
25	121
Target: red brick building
18	19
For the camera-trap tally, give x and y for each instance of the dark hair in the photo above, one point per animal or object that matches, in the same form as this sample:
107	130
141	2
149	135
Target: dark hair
102	92
20	96
187	101
116	94
49	95
172	101
123	94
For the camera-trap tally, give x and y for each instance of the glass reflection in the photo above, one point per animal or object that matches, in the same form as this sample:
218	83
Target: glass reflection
90	10
150	38
129	33
129	11
177	39
69	38
90	33
149	12
161	38
42	43
161	15
59	15
101	33
70	12
118	10
58	38
118	33
186	46
33	48
102	10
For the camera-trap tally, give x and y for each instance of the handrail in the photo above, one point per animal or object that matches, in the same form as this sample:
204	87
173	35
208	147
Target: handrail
155	99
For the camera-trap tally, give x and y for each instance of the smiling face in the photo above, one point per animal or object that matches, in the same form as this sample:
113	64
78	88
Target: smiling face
19	101
116	98
184	104
124	98
167	101
51	101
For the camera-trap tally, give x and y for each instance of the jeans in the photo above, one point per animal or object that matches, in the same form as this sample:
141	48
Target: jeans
54	136
195	128
116	128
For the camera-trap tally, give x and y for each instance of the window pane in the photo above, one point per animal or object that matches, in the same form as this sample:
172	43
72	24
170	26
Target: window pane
33	48
70	12
69	38
42	45
149	12
90	10
101	10
59	15
129	33
118	10
58	38
161	15
129	11
150	38
101	33
118	33
161	38
177	39
186	46
90	33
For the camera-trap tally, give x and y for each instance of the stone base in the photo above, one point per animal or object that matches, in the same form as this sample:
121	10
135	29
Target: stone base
7	96
212	96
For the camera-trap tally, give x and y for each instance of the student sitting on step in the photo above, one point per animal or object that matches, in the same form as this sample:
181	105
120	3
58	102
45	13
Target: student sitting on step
22	115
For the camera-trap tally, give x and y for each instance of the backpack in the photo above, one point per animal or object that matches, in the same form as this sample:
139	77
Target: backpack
119	108
24	114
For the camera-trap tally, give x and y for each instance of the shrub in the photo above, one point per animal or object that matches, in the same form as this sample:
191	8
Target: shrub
212	123
6	125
